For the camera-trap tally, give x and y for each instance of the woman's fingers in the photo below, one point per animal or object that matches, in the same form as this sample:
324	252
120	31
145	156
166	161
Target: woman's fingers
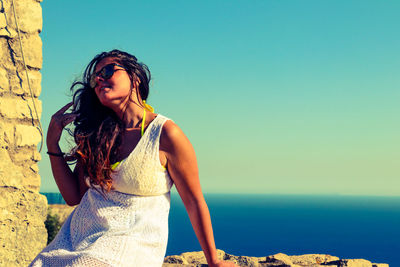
64	108
60	119
68	118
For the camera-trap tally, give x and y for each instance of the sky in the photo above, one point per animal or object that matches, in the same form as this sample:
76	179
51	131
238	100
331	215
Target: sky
277	97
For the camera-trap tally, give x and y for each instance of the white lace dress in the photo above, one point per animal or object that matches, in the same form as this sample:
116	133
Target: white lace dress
127	227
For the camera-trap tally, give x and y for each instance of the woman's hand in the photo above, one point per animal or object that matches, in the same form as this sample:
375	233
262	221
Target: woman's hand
58	121
223	264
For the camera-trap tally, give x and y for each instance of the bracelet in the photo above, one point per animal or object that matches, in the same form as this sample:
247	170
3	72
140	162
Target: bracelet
56	154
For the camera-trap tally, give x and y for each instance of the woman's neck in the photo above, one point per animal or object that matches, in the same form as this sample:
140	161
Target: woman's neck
132	115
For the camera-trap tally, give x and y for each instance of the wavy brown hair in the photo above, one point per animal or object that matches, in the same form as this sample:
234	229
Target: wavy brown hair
97	131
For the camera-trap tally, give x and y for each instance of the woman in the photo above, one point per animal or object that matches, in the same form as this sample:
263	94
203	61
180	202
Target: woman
128	158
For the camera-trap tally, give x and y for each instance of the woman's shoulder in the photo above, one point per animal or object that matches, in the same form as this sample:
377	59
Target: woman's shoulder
171	135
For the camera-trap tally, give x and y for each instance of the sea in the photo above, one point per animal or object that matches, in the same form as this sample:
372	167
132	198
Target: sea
349	227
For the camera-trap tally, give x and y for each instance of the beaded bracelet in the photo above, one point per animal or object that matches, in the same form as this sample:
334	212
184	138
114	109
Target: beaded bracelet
56	154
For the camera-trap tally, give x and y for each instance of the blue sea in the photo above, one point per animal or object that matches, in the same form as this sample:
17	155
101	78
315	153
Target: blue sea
262	225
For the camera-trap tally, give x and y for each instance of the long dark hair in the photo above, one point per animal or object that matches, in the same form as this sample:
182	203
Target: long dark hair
98	129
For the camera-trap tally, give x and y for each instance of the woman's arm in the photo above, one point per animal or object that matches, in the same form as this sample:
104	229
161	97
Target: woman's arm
66	180
182	167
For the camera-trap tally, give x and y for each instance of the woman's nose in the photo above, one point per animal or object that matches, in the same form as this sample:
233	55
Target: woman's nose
99	78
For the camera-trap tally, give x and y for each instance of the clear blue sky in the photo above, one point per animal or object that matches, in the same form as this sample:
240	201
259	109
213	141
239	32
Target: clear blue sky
285	97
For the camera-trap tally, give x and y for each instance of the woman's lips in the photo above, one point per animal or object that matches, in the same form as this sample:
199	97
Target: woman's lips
105	88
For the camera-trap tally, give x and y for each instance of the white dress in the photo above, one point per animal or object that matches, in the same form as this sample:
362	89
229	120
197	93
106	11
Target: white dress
126	227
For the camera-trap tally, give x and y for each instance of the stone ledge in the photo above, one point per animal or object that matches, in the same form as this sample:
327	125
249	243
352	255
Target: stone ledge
197	259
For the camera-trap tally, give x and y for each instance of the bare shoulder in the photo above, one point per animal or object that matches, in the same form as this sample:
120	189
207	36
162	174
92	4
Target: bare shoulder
171	135
173	140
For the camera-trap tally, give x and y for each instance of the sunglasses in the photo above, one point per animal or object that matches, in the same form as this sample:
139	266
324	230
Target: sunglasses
105	73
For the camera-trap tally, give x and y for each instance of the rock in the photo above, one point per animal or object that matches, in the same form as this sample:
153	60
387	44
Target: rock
3	21
4	83
22	209
22	215
279	259
14	108
10	175
20	86
197	259
175	259
314	260
32	45
242	260
29	16
354	263
26	135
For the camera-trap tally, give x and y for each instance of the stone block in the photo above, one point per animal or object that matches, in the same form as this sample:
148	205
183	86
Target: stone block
26	135
4	53
4	83
243	260
29	16
17	108
19	83
175	260
22	231
314	259
5	4
196	257
279	259
36	156
32	46
6	134
35	168
3	21
31	179
10	174
354	263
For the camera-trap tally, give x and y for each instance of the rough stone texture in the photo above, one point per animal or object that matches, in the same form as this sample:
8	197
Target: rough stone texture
197	259
32	45
22	232
22	209
18	108
29	16
26	135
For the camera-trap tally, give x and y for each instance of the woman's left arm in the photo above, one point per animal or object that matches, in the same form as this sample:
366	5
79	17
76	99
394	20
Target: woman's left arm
182	167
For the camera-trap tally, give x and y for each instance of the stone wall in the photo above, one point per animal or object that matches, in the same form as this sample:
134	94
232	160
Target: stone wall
22	209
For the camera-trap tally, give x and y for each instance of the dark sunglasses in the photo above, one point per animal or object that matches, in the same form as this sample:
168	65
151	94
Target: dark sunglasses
105	73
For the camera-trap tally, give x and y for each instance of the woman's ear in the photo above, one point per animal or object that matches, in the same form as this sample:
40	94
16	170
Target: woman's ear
137	82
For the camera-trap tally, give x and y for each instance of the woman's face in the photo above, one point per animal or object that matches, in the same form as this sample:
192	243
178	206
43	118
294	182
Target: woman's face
115	91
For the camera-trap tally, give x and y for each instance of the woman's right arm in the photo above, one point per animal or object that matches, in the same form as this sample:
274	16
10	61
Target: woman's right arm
71	184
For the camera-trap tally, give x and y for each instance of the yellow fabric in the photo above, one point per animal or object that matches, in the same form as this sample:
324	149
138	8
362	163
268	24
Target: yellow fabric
146	107
143	121
113	166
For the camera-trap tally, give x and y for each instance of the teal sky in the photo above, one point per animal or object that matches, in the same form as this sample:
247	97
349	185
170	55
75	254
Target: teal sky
277	97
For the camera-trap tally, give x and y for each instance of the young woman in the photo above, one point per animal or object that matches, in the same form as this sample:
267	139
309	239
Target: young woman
128	158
